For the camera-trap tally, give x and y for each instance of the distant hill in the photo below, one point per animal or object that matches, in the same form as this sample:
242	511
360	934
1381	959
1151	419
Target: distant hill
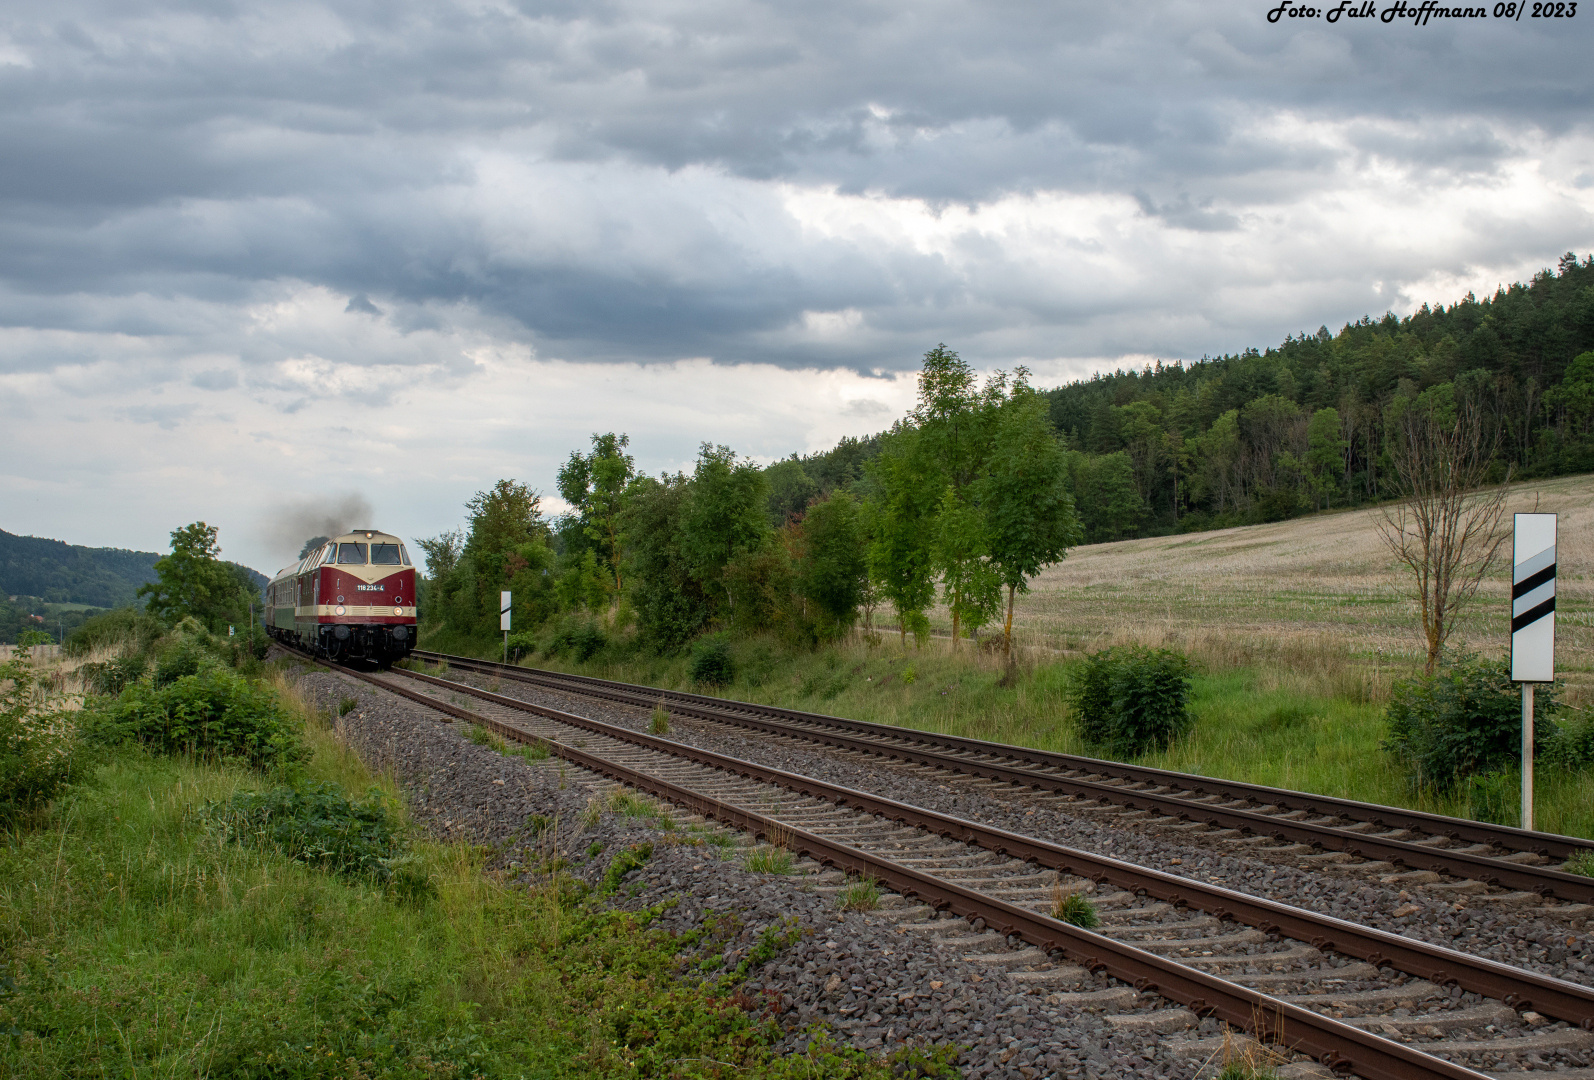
64	573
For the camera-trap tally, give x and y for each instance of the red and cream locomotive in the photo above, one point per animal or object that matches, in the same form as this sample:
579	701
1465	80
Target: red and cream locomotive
353	597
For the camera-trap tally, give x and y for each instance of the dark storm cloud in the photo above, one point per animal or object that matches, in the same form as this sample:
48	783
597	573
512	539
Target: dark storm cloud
592	173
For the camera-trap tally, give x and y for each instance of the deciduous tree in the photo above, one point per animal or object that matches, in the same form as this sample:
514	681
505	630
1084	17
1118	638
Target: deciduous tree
1446	529
1029	515
594	484
835	571
193	581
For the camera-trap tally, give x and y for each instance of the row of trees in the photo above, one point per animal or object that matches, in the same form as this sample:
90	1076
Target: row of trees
964	500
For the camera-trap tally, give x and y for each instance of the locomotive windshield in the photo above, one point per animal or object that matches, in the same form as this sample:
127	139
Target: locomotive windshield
385	555
352	554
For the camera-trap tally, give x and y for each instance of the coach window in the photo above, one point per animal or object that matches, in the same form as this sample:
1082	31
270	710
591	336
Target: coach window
385	555
351	554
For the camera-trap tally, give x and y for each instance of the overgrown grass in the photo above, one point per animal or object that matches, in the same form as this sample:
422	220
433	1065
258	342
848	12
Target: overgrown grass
861	895
1073	908
141	942
767	859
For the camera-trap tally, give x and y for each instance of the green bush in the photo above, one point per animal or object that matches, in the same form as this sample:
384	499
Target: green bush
319	825
712	663
125	629
522	645
1569	742
582	640
1130	699
186	653
39	750
216	712
113	676
1465	720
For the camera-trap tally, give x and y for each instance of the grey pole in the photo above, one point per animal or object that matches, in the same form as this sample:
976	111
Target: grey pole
1527	755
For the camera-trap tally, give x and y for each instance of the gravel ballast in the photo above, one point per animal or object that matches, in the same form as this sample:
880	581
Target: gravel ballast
872	983
1549	937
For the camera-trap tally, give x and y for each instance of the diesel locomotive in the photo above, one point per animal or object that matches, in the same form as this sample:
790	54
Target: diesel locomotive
352	598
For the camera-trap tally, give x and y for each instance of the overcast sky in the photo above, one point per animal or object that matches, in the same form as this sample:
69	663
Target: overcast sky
274	263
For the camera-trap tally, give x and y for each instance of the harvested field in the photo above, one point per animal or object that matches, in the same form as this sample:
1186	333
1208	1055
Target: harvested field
1321	585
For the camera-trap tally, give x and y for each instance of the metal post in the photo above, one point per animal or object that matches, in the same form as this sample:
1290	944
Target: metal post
506	648
1527	755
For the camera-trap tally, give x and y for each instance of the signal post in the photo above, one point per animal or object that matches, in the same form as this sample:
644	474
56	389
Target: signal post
1532	626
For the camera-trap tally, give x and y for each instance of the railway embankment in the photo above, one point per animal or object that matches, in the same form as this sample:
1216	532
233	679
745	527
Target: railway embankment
884	980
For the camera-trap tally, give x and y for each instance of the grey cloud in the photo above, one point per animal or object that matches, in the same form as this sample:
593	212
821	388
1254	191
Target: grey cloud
165	416
349	150
215	379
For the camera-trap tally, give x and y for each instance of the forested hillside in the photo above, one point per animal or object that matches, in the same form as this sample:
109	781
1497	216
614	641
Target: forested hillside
1260	436
63	573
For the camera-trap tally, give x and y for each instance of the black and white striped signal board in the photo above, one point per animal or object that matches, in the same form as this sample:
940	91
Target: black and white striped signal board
1533	598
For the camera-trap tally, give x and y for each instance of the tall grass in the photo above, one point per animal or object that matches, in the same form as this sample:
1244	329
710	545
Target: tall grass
136	940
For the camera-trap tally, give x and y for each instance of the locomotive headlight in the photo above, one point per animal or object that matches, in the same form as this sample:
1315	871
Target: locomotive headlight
339	609
398	611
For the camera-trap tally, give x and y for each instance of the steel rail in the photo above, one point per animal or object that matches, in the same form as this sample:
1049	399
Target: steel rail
1516	987
1542	880
1341	1046
1542	843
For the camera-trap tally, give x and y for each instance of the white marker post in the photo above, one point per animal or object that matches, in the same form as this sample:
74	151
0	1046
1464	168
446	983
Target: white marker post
503	620
1532	627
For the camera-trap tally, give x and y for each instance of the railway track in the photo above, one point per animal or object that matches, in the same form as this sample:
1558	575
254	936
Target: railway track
1496	855
1359	999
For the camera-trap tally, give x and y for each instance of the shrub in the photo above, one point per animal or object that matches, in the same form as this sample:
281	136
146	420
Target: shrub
319	825
187	653
521	645
712	664
582	640
1466	719
1131	699
659	724
125	629
216	712
1569	742
39	750
113	676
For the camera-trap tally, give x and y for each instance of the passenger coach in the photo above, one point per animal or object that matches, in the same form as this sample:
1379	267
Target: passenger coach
352	598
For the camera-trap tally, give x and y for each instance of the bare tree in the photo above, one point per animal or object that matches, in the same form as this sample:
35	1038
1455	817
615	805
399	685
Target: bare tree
1447	527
